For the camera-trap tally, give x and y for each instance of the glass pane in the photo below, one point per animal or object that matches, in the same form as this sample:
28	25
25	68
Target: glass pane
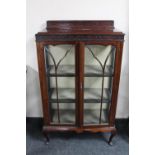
98	71
60	70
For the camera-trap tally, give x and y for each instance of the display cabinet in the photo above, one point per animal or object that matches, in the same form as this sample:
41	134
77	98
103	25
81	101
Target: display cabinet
79	69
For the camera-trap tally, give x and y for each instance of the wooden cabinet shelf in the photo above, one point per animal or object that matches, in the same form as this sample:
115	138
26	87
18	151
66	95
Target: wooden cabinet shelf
68	116
79	65
92	95
90	71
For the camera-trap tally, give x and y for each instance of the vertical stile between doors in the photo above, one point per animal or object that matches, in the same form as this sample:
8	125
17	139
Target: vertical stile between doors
79	82
76	84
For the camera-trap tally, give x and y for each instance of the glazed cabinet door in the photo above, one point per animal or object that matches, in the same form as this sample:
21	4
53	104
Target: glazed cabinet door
61	78
98	78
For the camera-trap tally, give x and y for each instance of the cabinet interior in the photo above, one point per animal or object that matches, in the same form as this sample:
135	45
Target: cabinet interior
61	76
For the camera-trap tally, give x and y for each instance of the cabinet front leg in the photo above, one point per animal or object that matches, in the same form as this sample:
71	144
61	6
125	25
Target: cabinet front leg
46	137
113	133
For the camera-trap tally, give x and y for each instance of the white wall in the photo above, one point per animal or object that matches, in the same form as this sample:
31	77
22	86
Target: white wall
39	11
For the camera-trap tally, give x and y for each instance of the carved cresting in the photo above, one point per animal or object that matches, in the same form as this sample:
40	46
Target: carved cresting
71	37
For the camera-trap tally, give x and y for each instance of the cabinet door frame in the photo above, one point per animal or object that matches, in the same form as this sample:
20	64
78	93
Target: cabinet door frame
79	80
115	84
43	82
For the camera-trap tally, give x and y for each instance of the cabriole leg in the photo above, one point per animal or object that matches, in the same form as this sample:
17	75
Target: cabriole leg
46	137
113	133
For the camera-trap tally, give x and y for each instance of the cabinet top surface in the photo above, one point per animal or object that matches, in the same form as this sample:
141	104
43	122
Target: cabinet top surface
98	30
81	27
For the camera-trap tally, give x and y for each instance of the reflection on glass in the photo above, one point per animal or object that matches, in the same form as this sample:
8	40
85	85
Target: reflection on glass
60	70
98	71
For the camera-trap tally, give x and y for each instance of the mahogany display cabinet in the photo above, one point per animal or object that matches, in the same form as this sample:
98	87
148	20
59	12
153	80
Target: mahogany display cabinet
79	69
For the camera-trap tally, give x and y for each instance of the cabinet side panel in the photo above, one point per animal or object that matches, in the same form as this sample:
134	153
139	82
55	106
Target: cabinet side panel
43	83
117	70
